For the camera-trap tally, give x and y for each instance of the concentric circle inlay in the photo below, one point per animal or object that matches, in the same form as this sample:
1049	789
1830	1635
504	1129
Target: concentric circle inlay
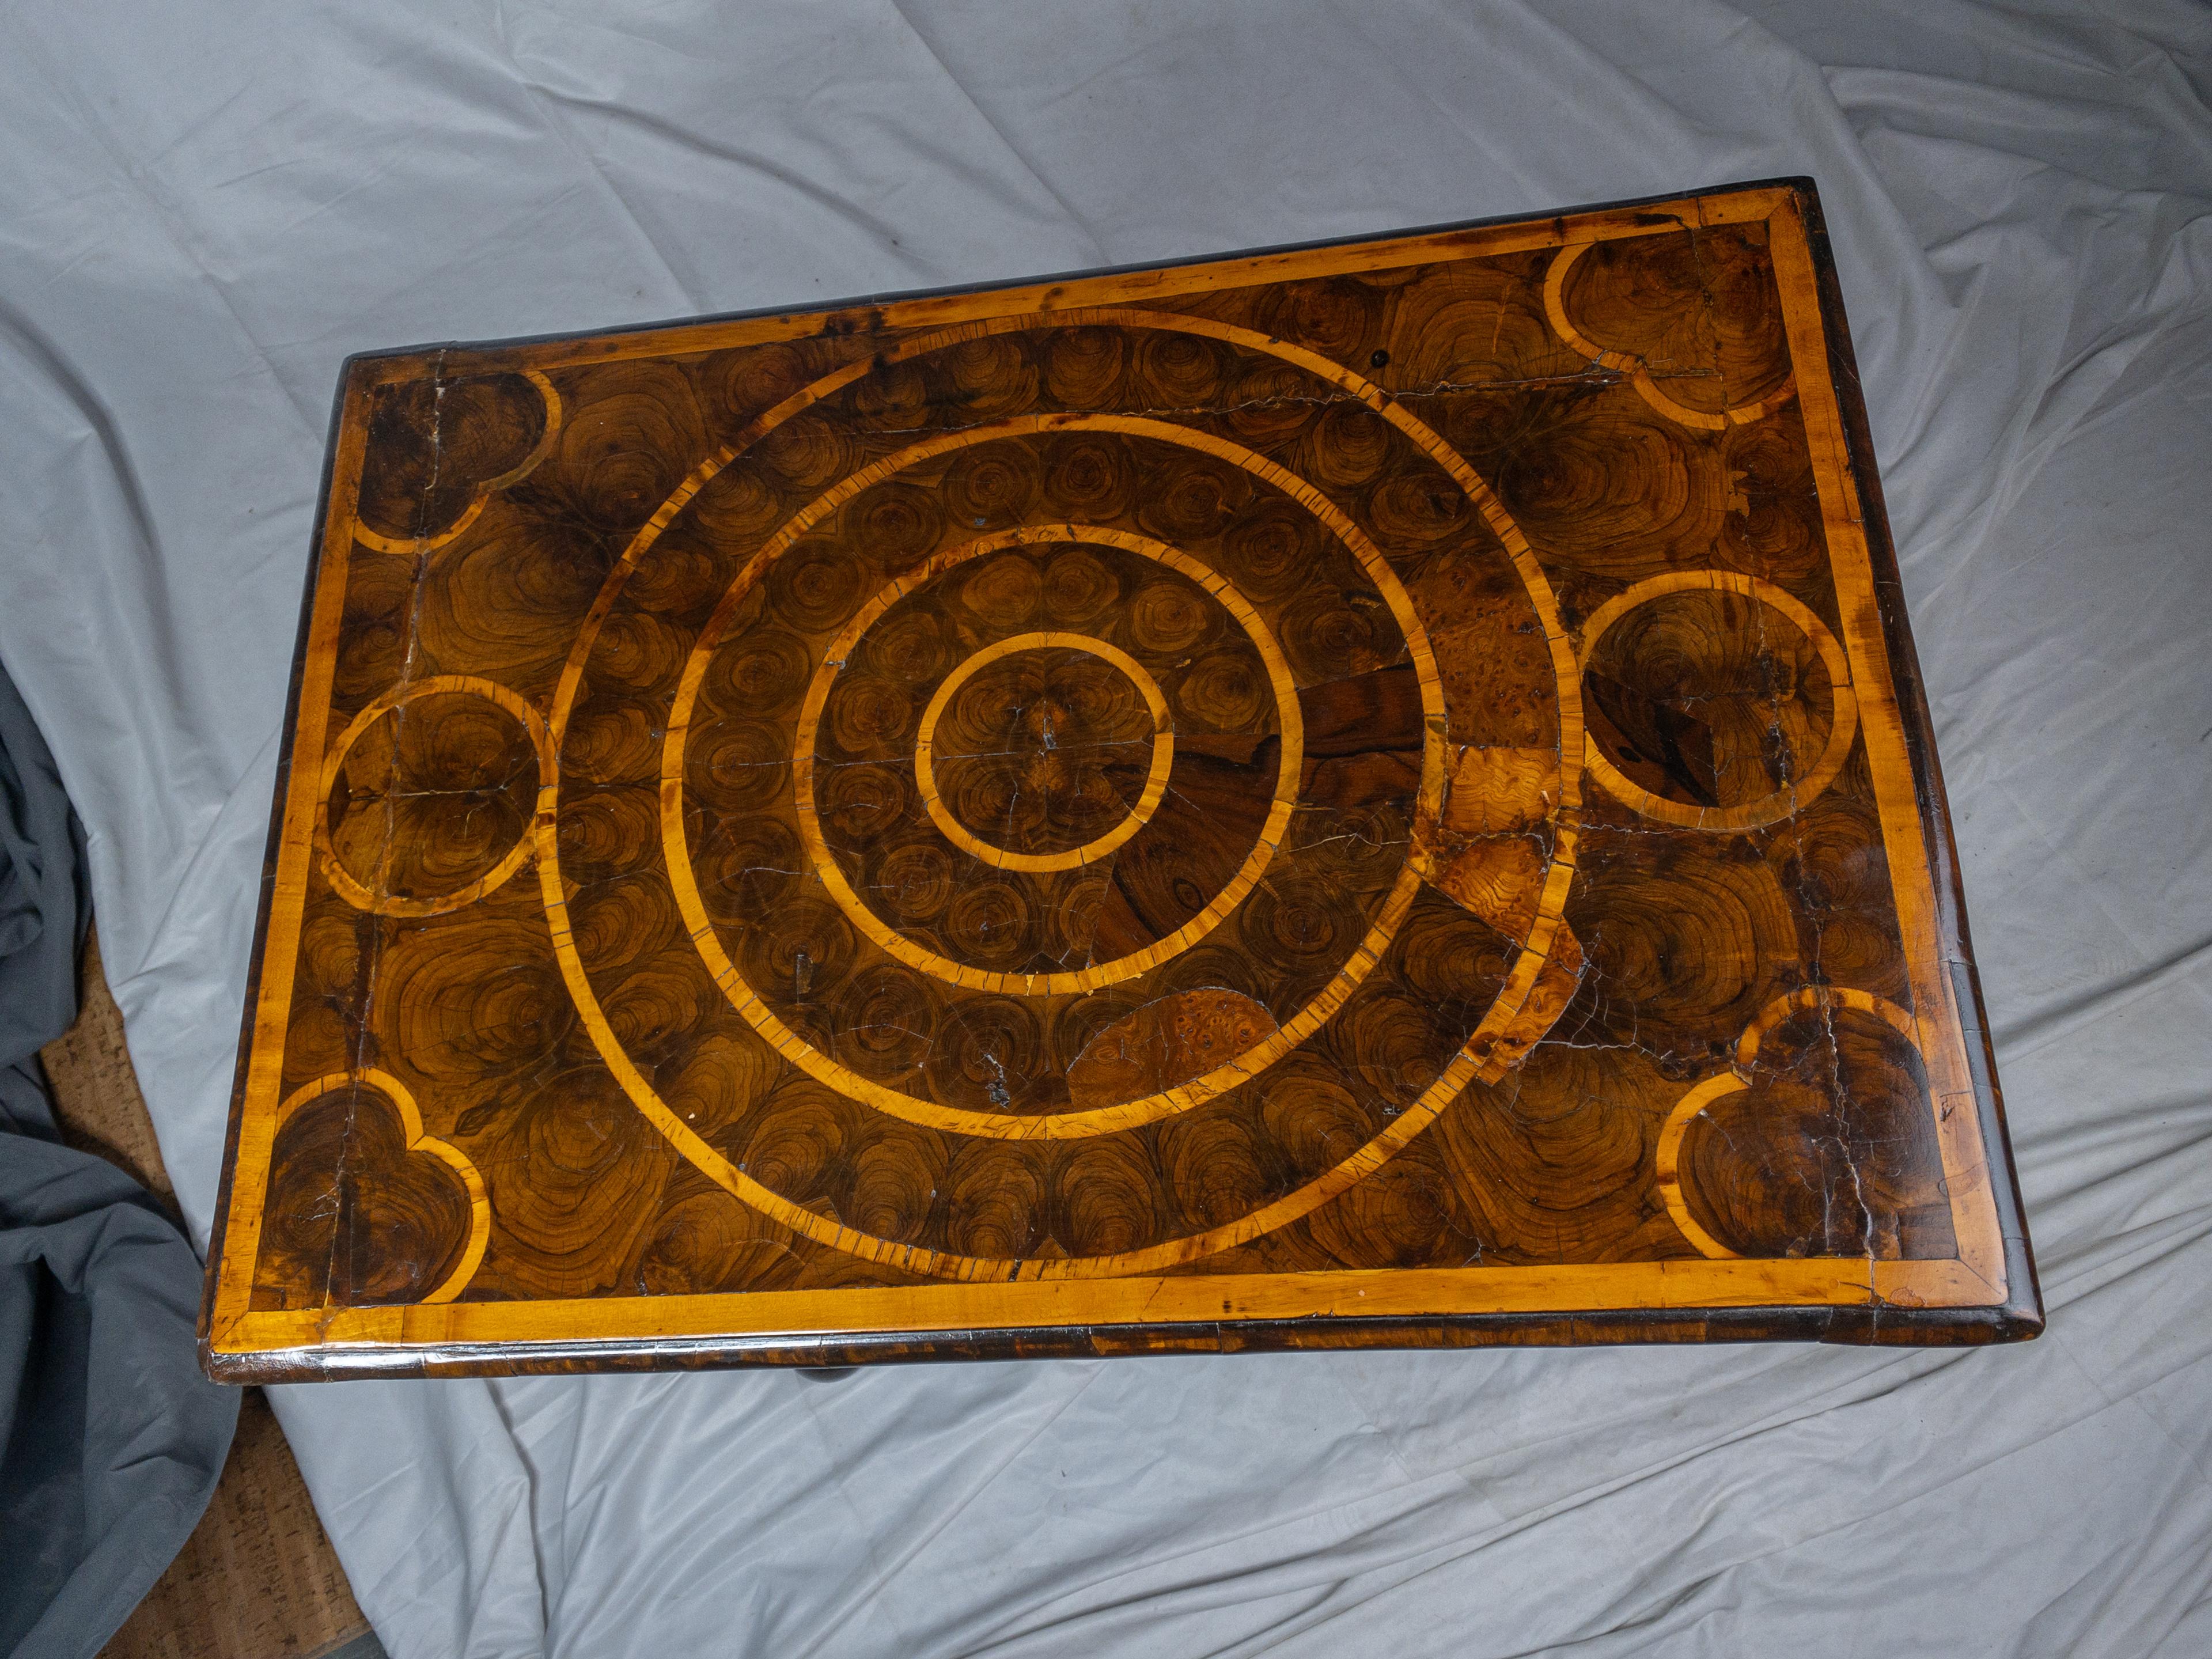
1024	948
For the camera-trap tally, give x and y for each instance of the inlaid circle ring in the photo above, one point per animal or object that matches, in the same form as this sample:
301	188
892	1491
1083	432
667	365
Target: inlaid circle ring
359	895
1668	1155
1156	780
1793	797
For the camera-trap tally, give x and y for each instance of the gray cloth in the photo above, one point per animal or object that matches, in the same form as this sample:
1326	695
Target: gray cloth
46	906
114	1440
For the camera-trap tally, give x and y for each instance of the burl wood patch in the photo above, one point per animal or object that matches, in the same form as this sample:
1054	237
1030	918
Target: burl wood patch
1368	794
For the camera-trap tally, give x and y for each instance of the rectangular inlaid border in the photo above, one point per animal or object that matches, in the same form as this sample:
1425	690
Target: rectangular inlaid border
1987	1293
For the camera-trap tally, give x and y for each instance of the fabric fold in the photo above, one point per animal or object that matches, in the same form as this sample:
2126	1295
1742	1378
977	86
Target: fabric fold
114	1440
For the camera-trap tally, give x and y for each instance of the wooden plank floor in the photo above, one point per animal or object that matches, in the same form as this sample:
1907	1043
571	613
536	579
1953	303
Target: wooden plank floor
258	1579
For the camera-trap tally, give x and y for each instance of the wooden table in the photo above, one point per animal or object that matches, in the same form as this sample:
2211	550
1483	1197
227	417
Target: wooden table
1358	795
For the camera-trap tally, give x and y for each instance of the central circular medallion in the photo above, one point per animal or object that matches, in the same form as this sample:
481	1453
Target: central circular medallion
1045	740
1046	760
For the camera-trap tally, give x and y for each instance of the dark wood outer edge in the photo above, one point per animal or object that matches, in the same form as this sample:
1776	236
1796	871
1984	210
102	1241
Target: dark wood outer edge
459	355
2021	1312
213	1365
1871	1325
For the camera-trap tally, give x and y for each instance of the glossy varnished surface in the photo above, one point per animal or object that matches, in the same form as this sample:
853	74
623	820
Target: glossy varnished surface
1370	794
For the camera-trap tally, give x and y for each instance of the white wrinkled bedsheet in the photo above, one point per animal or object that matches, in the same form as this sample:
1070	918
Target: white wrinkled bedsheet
203	208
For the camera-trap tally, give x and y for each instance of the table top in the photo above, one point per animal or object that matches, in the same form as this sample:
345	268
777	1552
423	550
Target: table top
1368	794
